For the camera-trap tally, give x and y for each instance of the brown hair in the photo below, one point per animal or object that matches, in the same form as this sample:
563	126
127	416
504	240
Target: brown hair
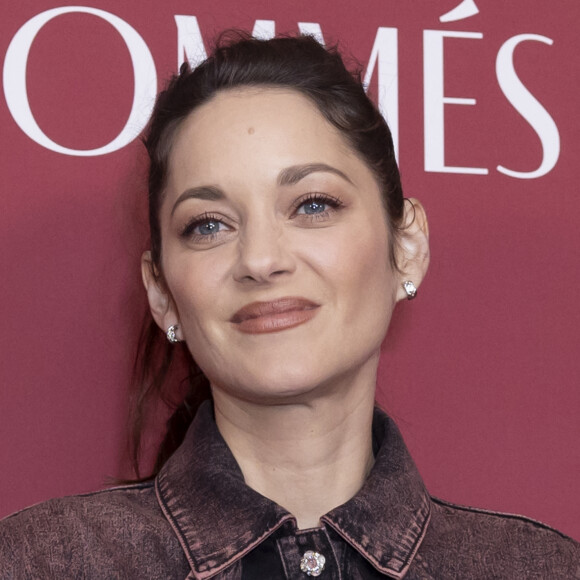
301	64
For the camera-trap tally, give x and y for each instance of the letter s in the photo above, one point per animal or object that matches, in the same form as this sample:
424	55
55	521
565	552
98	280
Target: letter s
528	107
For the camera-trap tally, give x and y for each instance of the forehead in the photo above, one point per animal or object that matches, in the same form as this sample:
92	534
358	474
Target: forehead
254	130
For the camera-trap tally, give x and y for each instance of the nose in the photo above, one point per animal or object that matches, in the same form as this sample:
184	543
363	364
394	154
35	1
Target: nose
263	253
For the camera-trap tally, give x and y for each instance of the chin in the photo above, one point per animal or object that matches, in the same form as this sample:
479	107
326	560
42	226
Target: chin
276	384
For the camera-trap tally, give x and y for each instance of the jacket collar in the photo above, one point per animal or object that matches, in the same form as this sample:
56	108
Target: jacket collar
387	519
218	519
215	515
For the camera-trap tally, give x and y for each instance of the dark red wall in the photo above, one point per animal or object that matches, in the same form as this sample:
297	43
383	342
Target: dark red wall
481	371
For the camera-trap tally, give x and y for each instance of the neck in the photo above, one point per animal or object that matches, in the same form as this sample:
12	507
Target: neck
308	456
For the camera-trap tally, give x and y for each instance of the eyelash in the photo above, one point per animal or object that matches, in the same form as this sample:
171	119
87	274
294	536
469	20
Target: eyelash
321	198
200	220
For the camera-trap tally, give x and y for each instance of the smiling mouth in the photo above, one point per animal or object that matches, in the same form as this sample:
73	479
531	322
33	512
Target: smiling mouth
274	316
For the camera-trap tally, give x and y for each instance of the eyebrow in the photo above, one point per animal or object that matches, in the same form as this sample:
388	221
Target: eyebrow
292	175
207	192
289	176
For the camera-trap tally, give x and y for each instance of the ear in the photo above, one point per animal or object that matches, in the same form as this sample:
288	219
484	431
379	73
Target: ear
412	251
160	302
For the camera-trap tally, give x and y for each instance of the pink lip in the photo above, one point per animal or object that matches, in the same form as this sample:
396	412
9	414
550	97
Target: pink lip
281	314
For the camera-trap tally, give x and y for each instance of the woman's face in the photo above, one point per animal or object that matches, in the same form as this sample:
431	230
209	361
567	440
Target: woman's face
275	248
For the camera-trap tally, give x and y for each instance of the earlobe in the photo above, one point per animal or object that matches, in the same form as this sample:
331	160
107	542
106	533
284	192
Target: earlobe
160	302
413	248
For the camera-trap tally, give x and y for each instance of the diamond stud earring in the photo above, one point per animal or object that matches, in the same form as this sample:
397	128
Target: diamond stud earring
410	289
172	333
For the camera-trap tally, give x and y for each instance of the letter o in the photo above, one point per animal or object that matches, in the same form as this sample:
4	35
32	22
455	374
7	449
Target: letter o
14	78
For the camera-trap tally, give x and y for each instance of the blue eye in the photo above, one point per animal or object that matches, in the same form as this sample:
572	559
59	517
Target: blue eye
204	227
317	206
207	228
313	206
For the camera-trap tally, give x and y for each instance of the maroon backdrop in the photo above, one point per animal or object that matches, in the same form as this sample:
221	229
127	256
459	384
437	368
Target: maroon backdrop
481	371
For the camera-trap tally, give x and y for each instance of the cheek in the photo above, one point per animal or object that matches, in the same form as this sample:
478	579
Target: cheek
369	286
194	281
356	266
373	282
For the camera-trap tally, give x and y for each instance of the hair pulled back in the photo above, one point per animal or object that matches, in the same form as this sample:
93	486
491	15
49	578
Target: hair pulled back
299	63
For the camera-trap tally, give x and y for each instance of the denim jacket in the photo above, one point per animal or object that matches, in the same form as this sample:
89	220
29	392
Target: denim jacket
198	520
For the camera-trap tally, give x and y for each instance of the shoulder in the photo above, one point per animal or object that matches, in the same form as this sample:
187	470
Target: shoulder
83	510
499	544
65	537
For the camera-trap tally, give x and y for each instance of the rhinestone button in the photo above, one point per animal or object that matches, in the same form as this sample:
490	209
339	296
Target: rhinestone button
312	563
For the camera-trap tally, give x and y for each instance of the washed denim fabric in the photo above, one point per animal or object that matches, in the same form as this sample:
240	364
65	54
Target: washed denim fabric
198	520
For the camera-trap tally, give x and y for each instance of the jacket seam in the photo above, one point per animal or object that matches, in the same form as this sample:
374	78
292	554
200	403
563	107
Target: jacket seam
501	515
130	487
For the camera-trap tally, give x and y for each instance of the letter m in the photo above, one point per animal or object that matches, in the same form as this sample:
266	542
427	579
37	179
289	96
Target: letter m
384	58
385	54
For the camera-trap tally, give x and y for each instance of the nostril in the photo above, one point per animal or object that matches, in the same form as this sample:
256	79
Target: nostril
256	277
